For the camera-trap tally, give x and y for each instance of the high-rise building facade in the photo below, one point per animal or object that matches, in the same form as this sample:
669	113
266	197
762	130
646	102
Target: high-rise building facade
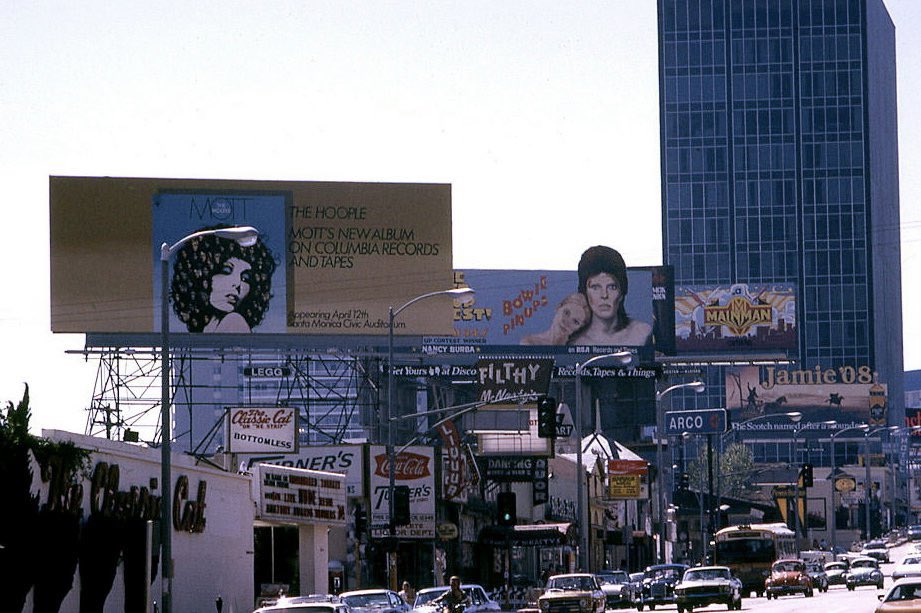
779	162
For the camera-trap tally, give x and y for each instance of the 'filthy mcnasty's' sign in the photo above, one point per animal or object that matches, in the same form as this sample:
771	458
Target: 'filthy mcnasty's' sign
514	379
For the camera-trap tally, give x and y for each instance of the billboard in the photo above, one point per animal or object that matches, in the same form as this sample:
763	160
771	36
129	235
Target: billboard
736	318
330	259
849	395
559	312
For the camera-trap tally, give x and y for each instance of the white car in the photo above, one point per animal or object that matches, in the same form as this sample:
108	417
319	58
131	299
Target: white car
374	601
908	567
480	602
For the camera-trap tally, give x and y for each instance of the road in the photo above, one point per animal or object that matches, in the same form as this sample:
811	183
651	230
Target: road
837	600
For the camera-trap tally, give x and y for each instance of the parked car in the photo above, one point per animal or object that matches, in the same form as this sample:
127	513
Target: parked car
864	571
480	602
375	601
903	597
316	603
877	550
910	566
706	585
619	591
788	577
659	584
835	572
817	573
572	593
914	532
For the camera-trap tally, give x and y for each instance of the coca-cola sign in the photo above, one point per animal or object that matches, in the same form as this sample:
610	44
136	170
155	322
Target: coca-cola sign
414	468
408	466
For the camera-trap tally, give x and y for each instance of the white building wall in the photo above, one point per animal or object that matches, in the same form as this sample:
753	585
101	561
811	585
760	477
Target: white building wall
215	562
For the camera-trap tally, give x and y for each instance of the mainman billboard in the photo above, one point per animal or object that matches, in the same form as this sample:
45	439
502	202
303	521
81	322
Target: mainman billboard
330	259
740	318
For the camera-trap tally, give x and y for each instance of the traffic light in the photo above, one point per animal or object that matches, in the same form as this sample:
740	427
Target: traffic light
683	481
361	521
401	505
807	475
505	501
546	417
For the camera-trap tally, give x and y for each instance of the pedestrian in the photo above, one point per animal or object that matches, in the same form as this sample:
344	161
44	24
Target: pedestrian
824	544
408	594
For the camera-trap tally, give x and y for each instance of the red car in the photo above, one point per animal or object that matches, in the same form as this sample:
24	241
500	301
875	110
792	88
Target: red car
788	577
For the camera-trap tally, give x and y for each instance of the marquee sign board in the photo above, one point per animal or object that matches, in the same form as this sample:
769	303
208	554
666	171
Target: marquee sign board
699	421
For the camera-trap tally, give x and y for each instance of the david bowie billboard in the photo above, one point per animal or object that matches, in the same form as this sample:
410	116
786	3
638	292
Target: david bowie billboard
330	258
737	318
601	305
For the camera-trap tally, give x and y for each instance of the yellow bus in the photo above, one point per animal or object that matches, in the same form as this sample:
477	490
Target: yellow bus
749	551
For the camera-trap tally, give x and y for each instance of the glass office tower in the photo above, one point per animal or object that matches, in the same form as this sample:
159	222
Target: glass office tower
780	164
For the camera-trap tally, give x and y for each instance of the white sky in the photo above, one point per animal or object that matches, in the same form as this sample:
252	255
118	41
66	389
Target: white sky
542	115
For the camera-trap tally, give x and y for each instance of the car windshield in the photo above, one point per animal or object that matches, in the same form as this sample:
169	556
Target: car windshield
428	595
875	545
613	578
836	566
912	560
378	599
863	564
663	573
908	591
788	567
706	574
570	583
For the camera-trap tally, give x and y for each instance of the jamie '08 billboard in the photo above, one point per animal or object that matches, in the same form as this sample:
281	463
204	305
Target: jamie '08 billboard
848	395
330	258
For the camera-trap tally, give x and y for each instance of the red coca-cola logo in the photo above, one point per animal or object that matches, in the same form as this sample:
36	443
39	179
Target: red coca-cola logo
408	466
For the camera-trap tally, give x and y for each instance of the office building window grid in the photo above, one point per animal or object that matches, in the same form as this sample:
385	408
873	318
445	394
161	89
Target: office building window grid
764	157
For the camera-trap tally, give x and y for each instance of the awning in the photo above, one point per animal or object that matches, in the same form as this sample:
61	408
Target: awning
528	535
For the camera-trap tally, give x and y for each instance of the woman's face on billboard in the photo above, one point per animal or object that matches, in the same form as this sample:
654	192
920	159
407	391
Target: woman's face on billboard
230	285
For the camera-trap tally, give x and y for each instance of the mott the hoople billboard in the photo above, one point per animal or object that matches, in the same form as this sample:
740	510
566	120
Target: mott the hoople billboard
330	258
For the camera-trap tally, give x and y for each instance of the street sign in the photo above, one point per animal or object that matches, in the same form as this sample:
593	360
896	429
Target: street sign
697	421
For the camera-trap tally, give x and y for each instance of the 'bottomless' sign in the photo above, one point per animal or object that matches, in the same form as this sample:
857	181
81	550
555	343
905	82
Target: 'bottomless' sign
262	430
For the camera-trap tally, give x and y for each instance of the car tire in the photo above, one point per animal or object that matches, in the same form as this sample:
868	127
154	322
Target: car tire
639	607
809	594
879	585
851	588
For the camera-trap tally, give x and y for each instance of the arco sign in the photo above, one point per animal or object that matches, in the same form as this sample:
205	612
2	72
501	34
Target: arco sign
698	421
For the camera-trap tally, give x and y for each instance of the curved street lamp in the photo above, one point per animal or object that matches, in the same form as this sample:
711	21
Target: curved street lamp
624	358
247	237
391	459
698	387
834	483
799	521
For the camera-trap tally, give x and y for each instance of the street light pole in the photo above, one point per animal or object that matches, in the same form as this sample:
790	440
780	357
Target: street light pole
697	386
391	459
246	236
834	488
624	358
801	524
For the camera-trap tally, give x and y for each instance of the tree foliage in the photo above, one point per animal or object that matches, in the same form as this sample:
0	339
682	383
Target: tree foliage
736	467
